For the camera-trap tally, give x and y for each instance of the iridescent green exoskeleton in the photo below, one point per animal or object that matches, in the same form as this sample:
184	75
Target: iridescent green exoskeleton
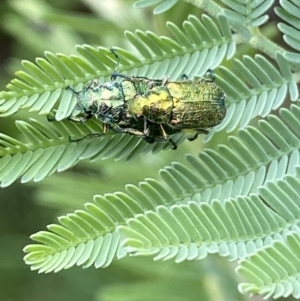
108	103
151	109
187	104
104	101
197	104
152	103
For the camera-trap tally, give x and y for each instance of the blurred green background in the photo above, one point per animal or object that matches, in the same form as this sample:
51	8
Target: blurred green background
28	28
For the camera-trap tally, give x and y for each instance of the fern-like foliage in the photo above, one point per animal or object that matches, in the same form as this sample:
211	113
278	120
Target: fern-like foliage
164	6
239	199
150	222
42	84
48	150
269	88
289	12
247	13
254	89
273	272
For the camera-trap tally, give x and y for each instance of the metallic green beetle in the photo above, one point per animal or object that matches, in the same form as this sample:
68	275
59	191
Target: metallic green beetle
152	109
197	104
188	104
108	103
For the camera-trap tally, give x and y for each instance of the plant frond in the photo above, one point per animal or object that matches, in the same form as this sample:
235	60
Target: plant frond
282	197
163	7
250	13
49	150
80	239
290	13
233	228
277	144
258	155
192	231
91	234
233	175
249	161
40	86
65	248
253	89
273	272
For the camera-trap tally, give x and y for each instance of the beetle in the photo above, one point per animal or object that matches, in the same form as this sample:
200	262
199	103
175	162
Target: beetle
152	109
108	103
187	104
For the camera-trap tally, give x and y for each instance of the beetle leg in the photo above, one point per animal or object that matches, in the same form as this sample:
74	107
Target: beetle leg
133	132
91	135
193	138
202	131
82	119
146	127
166	138
116	74
105	128
174	145
165	135
76	140
198	132
164	81
184	77
162	139
78	119
72	90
